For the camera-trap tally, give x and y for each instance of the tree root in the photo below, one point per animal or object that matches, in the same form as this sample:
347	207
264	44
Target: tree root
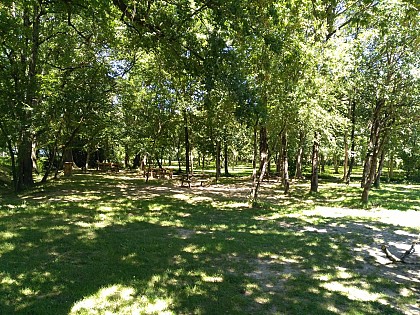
401	259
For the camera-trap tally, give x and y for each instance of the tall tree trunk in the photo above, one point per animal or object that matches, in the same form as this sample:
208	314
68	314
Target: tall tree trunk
51	160
352	141
346	156
335	160
225	153
187	144
299	155
391	165
285	162
218	161
88	153
263	165
25	164
136	161
315	163
369	168
126	157
377	182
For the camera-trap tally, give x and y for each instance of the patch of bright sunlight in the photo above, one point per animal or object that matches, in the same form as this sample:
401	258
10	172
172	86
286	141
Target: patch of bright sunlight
181	196
208	278
157	207
273	216
193	249
6	235
354	293
236	205
409	218
119	299
201	199
7	280
28	292
6	247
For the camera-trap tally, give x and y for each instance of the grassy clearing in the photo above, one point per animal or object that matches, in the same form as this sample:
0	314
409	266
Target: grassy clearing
93	243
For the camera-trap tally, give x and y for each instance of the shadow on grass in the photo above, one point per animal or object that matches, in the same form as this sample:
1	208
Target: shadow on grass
93	244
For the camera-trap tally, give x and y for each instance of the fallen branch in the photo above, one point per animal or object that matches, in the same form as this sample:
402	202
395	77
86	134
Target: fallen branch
402	258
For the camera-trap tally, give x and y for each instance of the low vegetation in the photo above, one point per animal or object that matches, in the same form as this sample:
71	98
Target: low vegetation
111	243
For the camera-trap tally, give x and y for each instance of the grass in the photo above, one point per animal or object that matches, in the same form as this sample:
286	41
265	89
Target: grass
102	243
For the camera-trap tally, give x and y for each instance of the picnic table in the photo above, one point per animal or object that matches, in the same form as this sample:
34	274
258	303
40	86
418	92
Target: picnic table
108	166
188	178
158	173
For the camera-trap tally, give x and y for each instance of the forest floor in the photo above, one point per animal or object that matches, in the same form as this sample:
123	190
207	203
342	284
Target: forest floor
97	243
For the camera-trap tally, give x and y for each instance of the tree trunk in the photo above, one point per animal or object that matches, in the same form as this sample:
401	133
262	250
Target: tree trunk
374	147
136	161
126	158
218	162
263	165
299	155
352	141
25	176
225	153
285	162
346	156
377	182
315	163
51	160
187	145
391	166
335	160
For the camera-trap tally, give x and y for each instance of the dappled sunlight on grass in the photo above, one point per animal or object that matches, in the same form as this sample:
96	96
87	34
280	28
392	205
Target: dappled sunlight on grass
119	299
93	244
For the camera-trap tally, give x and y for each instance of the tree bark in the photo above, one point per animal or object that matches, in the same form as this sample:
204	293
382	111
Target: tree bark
299	155
377	182
374	147
263	165
284	162
352	141
225	153
187	144
315	163
218	160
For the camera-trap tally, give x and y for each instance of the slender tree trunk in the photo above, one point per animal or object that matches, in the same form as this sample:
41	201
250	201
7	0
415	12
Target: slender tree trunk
369	169
299	155
377	182
263	165
50	163
225	153
218	161
178	155
391	165
187	145
315	163
285	162
126	157
88	153
335	159
346	156
352	141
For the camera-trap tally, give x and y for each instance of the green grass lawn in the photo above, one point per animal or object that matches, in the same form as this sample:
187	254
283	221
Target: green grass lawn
112	244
